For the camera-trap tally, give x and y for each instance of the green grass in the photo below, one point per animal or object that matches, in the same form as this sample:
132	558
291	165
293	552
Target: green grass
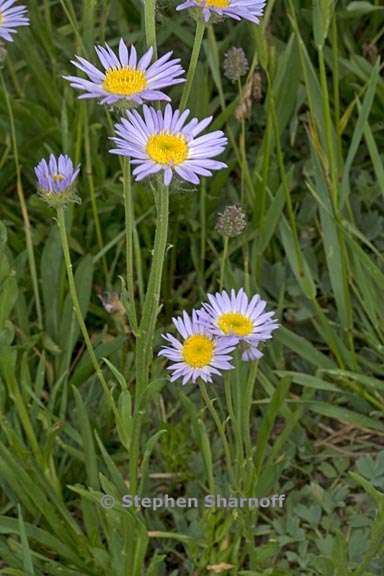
81	418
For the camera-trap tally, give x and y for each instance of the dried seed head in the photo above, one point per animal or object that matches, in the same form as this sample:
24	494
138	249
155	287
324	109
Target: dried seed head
111	302
243	111
257	86
235	64
232	221
370	52
252	91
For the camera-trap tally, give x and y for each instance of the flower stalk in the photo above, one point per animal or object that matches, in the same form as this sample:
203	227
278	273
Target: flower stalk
150	25
224	258
75	299
199	35
129	229
145	334
150	311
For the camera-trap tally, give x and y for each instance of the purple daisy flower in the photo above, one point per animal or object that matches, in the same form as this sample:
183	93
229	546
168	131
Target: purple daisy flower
237	9
163	141
56	178
200	354
235	315
250	352
125	77
11	17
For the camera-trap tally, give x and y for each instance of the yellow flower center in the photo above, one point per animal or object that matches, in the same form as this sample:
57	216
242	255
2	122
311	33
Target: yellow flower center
125	81
167	149
215	3
234	323
58	178
1	18
198	351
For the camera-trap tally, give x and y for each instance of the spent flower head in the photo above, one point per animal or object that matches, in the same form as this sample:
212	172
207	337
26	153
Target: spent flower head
56	180
111	302
163	141
235	64
200	354
234	315
257	86
250	10
126	78
11	17
232	221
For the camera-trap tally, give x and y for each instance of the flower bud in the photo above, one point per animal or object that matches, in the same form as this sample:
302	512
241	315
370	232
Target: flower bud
56	180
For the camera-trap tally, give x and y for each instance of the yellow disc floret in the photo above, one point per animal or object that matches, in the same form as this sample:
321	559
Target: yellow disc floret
198	351
125	81
58	178
1	18
167	149
235	323
215	3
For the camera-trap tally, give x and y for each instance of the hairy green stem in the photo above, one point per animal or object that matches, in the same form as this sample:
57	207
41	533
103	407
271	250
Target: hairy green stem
144	337
199	35
151	303
224	258
150	25
232	406
244	170
129	227
92	193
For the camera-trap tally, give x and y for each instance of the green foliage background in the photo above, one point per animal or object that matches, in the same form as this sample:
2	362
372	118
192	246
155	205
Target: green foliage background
308	167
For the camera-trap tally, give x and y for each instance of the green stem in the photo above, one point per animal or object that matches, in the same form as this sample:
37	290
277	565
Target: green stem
139	265
239	412
244	169
75	299
71	15
144	338
203	223
47	13
24	209
92	193
224	258
134	451
247	404
129	227
199	35
150	25
220	428
242	149
235	424
151	303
